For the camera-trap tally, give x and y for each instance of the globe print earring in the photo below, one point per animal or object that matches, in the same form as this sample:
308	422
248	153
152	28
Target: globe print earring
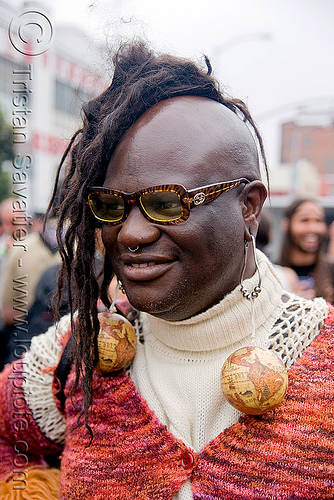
253	380
116	341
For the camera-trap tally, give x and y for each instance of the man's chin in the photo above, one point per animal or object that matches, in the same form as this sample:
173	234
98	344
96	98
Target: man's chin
167	306
151	305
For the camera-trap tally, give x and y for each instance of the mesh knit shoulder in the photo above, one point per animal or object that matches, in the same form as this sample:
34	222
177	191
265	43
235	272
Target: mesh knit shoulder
299	323
40	363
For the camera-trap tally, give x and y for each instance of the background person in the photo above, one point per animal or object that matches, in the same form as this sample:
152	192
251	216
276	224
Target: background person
182	246
9	225
330	248
305	231
24	267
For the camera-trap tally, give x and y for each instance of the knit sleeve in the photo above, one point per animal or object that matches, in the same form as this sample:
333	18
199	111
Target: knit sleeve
30	423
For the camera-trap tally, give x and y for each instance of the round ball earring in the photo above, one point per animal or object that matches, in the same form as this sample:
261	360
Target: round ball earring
253	380
116	341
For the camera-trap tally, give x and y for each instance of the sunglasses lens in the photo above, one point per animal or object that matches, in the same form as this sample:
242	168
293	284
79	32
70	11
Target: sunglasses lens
162	205
106	207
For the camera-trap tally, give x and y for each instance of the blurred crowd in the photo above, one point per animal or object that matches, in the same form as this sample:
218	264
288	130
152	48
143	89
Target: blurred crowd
30	261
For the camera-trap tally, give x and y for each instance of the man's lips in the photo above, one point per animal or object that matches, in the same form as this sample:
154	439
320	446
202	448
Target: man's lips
145	268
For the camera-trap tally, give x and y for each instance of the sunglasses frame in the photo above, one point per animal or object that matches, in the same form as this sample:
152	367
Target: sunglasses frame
188	199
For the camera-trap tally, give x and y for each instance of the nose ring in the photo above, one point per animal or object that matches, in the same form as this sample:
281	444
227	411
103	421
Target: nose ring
133	250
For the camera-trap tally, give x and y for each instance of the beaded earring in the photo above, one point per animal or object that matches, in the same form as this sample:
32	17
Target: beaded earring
116	341
254	380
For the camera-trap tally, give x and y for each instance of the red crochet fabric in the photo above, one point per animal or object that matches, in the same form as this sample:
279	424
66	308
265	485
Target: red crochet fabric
285	454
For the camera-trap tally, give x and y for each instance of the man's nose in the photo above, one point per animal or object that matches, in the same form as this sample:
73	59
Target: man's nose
137	230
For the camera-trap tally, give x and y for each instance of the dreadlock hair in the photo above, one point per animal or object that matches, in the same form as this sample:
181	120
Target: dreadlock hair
140	80
322	274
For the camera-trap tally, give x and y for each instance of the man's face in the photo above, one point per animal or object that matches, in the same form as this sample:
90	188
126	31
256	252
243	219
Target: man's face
308	227
179	270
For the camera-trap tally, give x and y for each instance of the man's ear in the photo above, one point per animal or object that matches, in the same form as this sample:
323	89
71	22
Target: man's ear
254	194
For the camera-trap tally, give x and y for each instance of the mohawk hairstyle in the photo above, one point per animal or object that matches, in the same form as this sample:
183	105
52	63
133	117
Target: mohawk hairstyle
140	80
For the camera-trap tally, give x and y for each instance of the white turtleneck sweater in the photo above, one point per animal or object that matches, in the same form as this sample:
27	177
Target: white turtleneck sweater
177	369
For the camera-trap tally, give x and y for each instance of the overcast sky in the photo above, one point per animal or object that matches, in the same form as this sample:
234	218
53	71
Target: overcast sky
277	55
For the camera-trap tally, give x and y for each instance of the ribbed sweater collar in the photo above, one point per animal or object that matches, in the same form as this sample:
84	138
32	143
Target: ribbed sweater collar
227	322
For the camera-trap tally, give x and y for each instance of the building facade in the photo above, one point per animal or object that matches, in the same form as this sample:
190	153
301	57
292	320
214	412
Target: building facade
311	139
41	93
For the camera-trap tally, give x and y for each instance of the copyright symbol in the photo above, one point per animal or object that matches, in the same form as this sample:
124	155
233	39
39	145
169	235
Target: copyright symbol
31	33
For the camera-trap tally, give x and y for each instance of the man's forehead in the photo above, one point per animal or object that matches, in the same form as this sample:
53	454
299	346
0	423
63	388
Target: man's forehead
193	127
194	112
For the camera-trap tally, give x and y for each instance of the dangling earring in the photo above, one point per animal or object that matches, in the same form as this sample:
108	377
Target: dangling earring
116	341
121	287
257	289
254	380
